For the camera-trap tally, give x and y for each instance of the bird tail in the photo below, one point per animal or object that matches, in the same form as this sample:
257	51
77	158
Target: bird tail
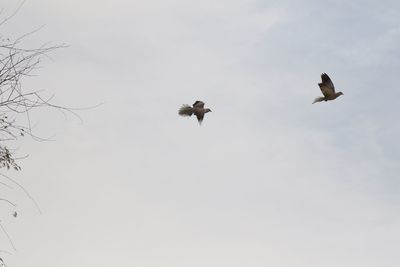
319	99
186	110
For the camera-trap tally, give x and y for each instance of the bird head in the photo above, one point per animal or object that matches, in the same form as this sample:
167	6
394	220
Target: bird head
207	110
339	94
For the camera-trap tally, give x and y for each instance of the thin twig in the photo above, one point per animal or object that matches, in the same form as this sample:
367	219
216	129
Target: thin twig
26	192
13	14
9	238
8	201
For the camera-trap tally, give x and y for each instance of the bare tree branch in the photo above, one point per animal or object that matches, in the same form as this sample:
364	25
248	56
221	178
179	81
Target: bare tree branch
17	62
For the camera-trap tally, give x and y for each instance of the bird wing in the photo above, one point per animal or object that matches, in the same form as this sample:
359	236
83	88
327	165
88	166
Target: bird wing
200	117
186	110
198	104
327	87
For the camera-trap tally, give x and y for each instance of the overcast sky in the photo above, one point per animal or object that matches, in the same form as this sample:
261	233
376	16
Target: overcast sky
268	180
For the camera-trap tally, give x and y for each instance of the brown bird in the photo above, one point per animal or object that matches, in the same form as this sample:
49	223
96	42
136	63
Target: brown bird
197	109
327	89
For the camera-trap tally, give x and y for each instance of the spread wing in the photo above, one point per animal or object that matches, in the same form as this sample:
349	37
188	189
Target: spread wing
327	87
186	110
198	104
200	117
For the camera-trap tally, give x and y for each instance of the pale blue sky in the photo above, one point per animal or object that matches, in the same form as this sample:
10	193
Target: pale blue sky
267	180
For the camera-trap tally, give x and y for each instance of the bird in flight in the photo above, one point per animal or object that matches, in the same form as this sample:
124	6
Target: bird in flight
197	109
327	89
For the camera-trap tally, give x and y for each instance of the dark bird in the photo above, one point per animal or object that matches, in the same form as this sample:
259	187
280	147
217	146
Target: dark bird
197	109
327	89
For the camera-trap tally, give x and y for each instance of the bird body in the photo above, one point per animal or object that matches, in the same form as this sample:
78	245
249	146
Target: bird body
197	109
327	89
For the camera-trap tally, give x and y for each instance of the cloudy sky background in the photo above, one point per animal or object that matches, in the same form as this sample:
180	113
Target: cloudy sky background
267	180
